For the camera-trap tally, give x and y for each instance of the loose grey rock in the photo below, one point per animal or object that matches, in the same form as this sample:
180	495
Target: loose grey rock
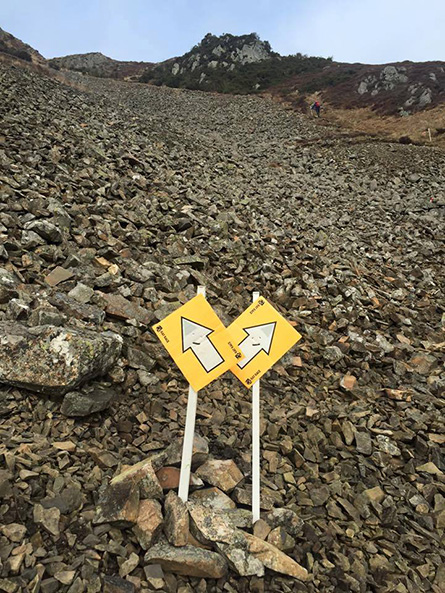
88	401
46	230
363	443
81	293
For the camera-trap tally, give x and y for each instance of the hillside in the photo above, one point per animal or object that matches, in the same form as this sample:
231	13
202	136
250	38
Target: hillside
14	47
245	64
390	89
116	202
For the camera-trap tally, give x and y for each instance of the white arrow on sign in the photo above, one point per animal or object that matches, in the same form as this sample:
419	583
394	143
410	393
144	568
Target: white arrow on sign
196	337
259	338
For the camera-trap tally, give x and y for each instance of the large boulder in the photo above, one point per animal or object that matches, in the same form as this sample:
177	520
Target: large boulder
54	360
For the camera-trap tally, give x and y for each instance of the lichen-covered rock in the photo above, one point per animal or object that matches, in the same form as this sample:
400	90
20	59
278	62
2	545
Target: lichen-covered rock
215	528
54	360
241	561
279	538
209	526
213	498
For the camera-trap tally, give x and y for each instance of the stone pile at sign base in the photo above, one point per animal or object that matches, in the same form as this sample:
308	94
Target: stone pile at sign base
205	537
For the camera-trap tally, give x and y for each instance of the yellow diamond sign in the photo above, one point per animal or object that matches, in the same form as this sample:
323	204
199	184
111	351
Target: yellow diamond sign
263	336
198	342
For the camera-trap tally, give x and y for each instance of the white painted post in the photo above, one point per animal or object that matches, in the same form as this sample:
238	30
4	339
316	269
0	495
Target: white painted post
255	443
187	447
429	134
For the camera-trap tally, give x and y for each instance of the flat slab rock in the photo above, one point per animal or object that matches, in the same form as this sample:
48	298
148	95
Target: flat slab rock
118	306
213	498
187	561
274	559
54	360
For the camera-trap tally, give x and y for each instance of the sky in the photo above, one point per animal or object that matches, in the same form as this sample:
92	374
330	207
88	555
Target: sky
368	31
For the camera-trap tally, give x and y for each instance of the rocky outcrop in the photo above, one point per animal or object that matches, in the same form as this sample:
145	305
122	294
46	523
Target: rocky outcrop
226	51
392	78
213	61
404	88
96	64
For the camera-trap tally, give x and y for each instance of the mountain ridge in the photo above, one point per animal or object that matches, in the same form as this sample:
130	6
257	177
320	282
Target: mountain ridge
245	64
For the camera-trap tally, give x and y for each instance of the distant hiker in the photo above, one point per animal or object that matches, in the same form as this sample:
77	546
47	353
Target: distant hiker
316	107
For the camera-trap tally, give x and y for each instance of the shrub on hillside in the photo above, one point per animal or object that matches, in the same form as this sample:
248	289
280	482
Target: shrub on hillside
244	78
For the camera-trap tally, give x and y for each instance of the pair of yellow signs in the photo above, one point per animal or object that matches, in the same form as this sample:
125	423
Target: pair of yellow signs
204	349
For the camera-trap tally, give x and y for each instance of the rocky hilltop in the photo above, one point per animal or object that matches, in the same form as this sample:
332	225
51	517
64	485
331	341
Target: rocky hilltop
117	200
96	64
229	63
224	53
